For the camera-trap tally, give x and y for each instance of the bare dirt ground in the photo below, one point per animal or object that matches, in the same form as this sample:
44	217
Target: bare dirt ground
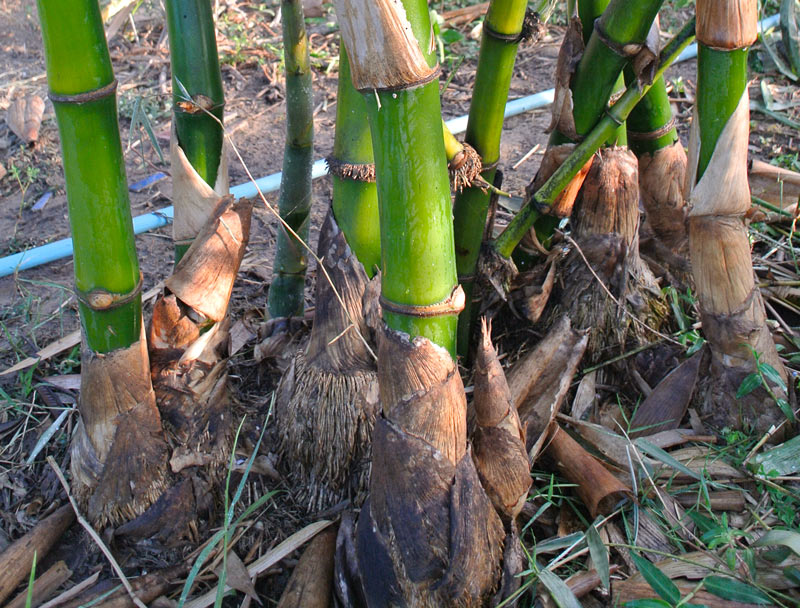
37	306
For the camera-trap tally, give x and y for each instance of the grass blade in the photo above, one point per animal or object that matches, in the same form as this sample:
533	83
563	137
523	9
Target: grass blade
660	582
599	553
561	594
734	591
785	538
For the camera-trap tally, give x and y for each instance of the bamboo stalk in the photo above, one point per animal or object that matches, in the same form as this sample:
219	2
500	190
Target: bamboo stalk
597	488
500	38
285	296
197	121
730	304
117	404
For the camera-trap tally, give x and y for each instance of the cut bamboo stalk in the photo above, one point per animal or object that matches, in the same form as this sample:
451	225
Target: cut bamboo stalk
311	583
597	488
44	587
16	560
732	311
285	296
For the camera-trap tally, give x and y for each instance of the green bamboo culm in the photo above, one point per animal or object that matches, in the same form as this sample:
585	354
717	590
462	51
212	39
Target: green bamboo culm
499	41
537	206
398	77
195	70
285	297
83	91
355	196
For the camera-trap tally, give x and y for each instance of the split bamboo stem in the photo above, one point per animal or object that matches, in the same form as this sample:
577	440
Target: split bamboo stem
289	267
197	121
732	311
500	38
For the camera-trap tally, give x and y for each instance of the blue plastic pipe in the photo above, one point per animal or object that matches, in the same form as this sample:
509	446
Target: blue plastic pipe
150	221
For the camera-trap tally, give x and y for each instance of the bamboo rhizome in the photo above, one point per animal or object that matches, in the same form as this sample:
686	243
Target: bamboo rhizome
731	308
117	404
197	150
285	298
420	453
500	37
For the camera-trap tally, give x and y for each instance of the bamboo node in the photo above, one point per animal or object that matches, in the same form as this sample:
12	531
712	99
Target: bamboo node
652	135
643	58
452	305
428	78
101	300
93	95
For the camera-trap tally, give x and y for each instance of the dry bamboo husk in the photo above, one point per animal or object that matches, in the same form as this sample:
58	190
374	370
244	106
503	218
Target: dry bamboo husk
387	55
727	25
661	178
147	588
569	55
499	437
599	490
188	340
311	583
606	221
118	452
539	382
636	588
428	534
192	198
666	406
328	397
731	308
16	560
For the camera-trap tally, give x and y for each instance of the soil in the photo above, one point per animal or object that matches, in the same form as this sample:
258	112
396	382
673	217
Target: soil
37	306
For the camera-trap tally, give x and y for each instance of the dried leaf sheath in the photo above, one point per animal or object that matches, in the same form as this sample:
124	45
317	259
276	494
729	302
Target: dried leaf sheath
327	399
193	199
661	177
118	453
